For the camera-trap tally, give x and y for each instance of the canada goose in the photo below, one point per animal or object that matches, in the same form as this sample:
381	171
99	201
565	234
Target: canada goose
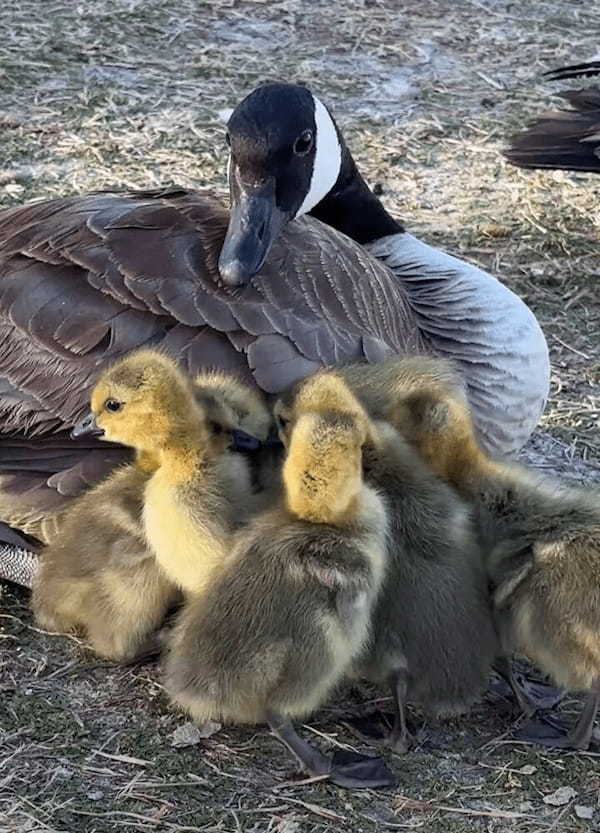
433	639
98	573
281	623
565	139
85	280
200	490
544	545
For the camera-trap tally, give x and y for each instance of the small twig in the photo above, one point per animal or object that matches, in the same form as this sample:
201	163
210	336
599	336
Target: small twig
124	759
561	815
40	630
329	738
222	773
317	810
572	349
413	804
60	671
314	779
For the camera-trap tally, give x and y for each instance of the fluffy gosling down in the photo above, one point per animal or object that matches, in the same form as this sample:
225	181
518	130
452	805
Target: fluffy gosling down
544	545
201	489
433	638
98	574
290	612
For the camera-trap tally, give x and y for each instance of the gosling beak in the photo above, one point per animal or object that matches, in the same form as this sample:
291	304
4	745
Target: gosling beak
87	427
254	224
240	441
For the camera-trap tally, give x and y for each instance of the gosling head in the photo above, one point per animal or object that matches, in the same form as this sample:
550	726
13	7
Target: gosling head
437	421
285	155
322	394
143	401
233	405
324	429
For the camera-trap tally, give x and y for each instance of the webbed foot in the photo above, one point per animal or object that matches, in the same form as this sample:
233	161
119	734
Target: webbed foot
551	730
345	769
537	696
531	695
545	730
353	771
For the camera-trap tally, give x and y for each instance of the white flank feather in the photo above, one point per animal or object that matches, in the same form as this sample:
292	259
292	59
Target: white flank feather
492	335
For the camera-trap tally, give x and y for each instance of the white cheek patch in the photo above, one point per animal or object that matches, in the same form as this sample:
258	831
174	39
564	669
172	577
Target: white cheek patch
327	160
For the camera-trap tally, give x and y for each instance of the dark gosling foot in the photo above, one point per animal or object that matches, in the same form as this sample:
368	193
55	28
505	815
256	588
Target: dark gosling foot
553	732
545	730
399	742
541	696
399	738
359	772
371	729
531	696
346	769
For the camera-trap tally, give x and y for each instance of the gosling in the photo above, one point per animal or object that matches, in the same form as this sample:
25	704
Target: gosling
544	545
433	638
98	574
201	490
290	612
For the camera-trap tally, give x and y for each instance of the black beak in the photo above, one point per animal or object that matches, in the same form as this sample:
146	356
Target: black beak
241	441
254	224
87	427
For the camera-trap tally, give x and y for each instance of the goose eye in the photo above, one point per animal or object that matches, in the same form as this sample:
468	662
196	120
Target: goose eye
228	140
303	143
113	405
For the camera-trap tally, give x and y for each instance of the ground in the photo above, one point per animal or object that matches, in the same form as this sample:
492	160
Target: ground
133	93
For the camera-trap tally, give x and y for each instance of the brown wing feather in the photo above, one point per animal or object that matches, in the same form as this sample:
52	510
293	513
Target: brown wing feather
86	279
39	479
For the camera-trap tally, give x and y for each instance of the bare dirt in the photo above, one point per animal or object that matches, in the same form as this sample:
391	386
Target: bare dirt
133	93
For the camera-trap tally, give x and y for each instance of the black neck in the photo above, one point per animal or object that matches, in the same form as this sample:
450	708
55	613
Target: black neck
351	206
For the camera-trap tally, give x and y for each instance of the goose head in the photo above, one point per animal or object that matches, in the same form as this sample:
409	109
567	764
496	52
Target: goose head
287	158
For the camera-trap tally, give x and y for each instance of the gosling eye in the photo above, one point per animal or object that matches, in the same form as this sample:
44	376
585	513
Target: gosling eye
113	405
303	143
282	423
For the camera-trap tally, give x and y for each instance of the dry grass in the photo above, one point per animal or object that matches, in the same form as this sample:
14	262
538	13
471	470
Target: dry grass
128	93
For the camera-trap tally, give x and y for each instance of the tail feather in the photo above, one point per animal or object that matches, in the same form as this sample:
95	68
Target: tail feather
563	139
586	70
583	100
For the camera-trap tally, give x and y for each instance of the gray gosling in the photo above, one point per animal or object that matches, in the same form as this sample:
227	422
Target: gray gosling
290	612
98	574
544	545
433	639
